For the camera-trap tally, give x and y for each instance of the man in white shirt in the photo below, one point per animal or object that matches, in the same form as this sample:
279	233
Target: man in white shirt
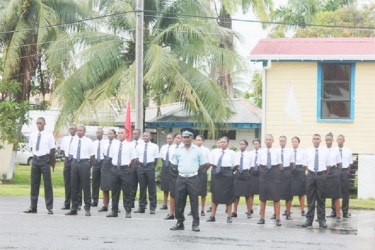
148	155
123	156
100	145
65	151
43	147
165	156
137	142
316	162
347	161
83	153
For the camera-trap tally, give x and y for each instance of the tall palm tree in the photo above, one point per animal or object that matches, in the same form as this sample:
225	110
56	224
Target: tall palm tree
180	52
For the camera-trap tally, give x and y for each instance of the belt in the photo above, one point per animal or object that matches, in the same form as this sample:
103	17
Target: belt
284	168
317	173
122	166
188	175
40	156
344	169
224	167
80	160
148	163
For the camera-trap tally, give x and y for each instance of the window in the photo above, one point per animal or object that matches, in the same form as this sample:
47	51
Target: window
231	134
336	92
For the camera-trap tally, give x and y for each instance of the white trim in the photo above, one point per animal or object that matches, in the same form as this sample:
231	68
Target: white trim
273	57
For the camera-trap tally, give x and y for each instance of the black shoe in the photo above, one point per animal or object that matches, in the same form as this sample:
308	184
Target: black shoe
94	204
65	208
50	211
288	217
346	216
251	211
261	221
71	212
195	229
202	213
211	219
178	226
249	216
284	214
229	219
164	207
278	223
79	208
87	213
209	210
103	209
30	211
128	215
303	213
332	215
190	214
323	224
139	211
307	224
169	217
112	215
273	217
152	211
234	215
338	219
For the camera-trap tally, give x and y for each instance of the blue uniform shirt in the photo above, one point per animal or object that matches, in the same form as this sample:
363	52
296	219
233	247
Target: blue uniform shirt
188	161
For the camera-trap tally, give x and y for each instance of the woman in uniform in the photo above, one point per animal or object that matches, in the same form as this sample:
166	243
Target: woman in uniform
298	174
254	174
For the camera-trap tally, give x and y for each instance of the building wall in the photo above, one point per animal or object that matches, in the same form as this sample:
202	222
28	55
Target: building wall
360	134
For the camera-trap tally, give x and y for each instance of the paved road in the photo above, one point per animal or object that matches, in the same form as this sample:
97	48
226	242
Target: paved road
145	231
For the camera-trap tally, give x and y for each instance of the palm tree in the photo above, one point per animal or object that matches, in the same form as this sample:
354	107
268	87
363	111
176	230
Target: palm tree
180	52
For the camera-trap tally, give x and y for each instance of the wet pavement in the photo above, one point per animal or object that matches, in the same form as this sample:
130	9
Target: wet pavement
145	231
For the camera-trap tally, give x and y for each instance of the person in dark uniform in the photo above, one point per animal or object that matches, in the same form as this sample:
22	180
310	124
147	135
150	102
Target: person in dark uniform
137	142
254	174
218	145
333	181
83	153
316	162
242	183
188	160
123	157
172	177
65	152
106	172
148	156
100	144
43	147
298	174
165	156
347	161
223	163
269	179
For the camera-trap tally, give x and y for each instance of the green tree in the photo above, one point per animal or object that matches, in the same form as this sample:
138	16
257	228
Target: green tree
255	94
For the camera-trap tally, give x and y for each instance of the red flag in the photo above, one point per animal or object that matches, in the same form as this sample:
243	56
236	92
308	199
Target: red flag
128	123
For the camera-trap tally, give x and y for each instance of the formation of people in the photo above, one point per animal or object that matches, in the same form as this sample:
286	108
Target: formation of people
115	165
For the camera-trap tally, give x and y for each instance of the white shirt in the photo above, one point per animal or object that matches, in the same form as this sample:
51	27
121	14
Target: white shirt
275	157
103	146
164	150
288	156
137	143
247	159
66	144
310	158
87	148
254	157
299	155
206	152
109	144
128	152
347	156
334	157
229	157
47	142
152	152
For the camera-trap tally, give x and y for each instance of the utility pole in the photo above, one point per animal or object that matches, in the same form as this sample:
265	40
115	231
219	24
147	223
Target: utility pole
139	65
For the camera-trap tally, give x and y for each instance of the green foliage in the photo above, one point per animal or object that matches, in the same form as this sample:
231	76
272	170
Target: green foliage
256	94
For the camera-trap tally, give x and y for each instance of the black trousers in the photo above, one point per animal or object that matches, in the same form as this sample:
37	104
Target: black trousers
81	181
146	178
96	173
134	183
41	166
121	180
345	185
315	185
68	184
187	186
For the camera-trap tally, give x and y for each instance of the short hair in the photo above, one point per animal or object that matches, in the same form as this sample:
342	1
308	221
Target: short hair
201	136
73	125
282	136
169	134
316	135
225	138
270	135
329	134
42	118
112	130
82	126
256	139
245	141
297	138
176	134
341	135
137	130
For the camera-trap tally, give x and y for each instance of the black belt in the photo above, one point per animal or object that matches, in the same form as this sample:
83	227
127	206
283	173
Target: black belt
80	160
40	156
149	163
285	168
344	169
122	166
223	167
318	173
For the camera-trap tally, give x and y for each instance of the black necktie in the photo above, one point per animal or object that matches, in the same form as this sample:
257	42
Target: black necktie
38	142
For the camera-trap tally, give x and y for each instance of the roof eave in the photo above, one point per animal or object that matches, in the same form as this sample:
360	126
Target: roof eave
275	58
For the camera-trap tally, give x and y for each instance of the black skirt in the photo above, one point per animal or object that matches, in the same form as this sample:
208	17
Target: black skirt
254	181
242	184
164	179
286	184
298	181
202	183
269	184
172	178
222	186
333	184
106	174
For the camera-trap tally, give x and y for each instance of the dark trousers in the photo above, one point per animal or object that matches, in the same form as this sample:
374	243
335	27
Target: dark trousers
81	181
315	193
41	166
68	184
146	178
345	184
187	186
121	180
134	183
96	173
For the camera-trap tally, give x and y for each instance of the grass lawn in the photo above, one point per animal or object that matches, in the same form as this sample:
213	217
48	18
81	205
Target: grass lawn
20	186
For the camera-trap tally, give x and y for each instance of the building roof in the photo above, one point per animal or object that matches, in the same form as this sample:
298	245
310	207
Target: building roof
247	115
314	49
